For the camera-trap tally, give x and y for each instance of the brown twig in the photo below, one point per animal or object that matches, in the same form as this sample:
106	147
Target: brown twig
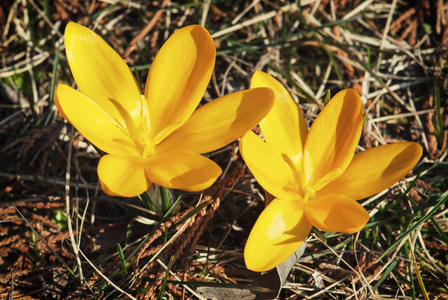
145	31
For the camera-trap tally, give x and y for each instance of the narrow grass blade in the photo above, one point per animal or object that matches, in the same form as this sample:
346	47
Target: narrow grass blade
442	200
165	199
147	201
162	288
438	131
420	282
50	115
386	273
123	260
46	244
193	212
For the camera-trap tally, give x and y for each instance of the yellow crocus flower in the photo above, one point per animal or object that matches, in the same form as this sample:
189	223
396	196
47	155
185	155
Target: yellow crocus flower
156	136
313	174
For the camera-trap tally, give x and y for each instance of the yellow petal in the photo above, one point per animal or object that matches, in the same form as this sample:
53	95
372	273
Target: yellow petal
178	78
58	92
183	170
221	121
93	122
333	136
336	213
284	128
123	175
375	169
278	233
102	75
269	168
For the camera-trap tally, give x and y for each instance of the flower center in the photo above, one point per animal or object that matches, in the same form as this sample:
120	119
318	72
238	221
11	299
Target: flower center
313	184
142	136
146	144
